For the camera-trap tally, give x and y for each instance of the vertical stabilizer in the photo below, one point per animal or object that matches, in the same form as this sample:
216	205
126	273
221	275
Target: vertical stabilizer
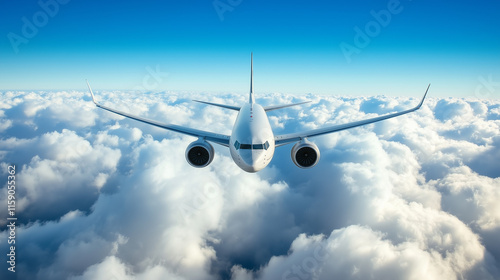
251	99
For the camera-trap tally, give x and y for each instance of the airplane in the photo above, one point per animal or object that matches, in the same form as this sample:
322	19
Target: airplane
252	142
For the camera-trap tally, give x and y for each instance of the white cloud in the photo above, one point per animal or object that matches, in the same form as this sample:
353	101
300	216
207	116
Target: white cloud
4	124
359	252
62	171
462	187
102	197
110	268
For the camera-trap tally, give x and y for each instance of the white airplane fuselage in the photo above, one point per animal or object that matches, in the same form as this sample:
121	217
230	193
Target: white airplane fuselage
252	140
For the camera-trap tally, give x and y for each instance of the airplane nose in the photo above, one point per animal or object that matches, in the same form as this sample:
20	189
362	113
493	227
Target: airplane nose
251	169
247	157
250	158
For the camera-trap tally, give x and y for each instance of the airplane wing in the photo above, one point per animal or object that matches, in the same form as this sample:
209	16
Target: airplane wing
294	137
271	108
209	136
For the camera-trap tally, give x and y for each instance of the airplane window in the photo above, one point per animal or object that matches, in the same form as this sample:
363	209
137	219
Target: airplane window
266	145
237	145
258	146
245	146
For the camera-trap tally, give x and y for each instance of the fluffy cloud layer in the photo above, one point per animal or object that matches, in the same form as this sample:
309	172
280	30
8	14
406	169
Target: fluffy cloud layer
100	197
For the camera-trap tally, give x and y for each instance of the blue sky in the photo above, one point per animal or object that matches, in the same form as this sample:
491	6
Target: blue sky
296	44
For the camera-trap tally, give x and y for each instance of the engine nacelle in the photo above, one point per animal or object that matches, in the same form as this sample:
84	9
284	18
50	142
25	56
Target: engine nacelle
199	153
305	154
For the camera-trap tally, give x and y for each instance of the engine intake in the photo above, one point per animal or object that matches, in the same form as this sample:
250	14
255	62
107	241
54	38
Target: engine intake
199	153
305	154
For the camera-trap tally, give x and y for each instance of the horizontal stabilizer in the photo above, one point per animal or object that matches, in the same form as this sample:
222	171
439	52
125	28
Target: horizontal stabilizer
270	108
220	105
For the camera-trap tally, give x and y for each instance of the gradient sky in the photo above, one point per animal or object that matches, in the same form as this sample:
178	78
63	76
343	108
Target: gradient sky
296	45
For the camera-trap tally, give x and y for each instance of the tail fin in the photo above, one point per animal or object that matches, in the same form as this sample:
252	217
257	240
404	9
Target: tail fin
251	99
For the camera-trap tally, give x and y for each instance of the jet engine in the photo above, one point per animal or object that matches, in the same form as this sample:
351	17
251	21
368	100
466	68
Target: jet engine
199	153
305	154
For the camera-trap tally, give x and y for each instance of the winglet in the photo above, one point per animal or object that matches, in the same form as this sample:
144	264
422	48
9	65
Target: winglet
422	102
91	93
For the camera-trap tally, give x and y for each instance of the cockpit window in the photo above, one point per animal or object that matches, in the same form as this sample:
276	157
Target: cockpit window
245	146
264	146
